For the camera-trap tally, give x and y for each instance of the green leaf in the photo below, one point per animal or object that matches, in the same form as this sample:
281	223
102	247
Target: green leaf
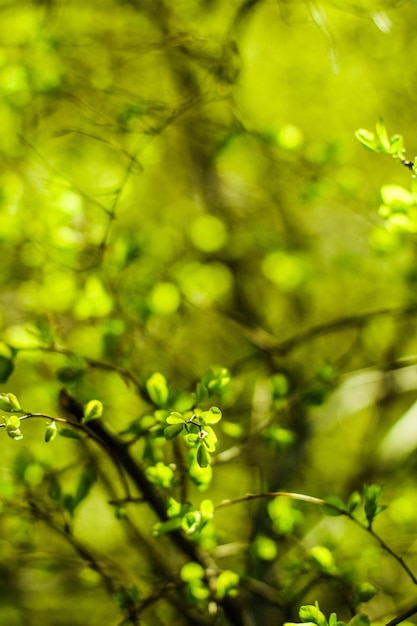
157	388
170	432
264	548
212	416
397	146
227	583
160	474
11	422
323	559
207	509
51	432
382	134
371	496
311	613
280	386
397	197
205	435
364	592
176	418
333	621
216	380
14	433
208	437
9	403
402	223
232	429
367	139
191	571
93	410
355	499
198	589
281	437
200	476
161	528
203	456
68	503
173	508
69	434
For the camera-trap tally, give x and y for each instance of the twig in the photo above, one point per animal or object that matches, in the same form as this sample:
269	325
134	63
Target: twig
274	494
320	502
390	551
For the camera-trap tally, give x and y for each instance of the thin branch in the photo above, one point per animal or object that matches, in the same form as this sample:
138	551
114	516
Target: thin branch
90	434
274	494
320	502
390	551
111	144
48	166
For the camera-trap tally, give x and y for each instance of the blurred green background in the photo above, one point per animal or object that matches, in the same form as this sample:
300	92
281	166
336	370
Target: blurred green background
180	188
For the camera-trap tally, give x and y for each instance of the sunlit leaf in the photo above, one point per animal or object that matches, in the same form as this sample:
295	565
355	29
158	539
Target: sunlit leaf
383	135
212	416
227	584
396	196
157	388
93	410
191	571
176	418
310	613
51	432
367	139
9	403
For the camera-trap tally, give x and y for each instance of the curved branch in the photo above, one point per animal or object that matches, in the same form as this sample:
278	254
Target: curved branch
320	502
